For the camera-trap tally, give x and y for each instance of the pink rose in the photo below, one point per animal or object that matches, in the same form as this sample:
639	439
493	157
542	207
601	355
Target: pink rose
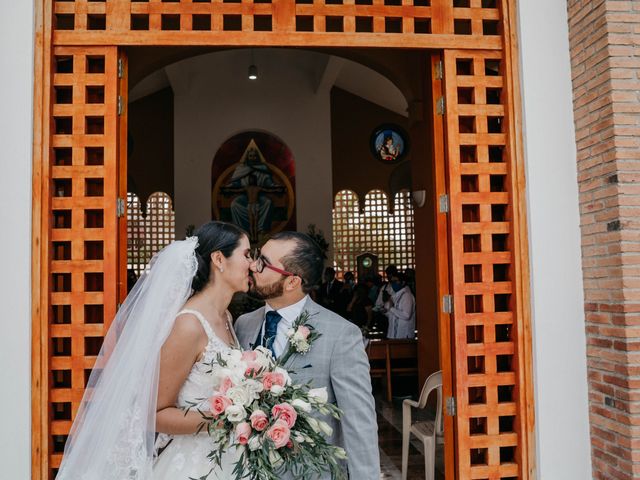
249	356
279	433
259	420
252	369
285	412
218	404
270	379
304	331
243	432
225	385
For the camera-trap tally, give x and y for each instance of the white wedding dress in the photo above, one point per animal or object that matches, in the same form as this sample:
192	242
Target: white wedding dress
186	455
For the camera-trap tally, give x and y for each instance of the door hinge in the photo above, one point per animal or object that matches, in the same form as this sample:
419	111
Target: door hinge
440	106
120	105
443	202
447	304
451	409
120	68
438	72
120	207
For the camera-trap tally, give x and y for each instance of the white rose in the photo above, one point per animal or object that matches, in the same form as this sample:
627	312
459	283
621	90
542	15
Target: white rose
301	405
238	371
235	413
264	357
297	337
318	395
232	357
255	443
264	351
253	388
276	390
239	396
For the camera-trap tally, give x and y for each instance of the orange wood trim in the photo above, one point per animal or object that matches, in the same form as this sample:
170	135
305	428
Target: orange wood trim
276	39
39	243
442	265
521	240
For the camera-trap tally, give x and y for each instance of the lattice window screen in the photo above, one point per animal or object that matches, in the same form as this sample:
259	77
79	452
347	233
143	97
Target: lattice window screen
488	398
83	217
150	233
390	235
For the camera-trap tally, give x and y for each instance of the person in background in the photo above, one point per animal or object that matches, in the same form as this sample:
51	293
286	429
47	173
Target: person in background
410	274
329	293
359	309
345	294
372	289
386	291
401	309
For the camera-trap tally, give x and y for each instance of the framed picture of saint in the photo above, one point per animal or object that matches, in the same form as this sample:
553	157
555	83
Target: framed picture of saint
389	143
253	184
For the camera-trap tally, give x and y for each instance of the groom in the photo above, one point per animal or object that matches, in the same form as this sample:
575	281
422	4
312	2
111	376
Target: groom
284	272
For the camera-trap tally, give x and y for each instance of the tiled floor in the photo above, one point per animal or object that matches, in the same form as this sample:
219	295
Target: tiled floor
390	444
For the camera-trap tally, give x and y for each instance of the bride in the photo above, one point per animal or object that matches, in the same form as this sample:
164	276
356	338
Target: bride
154	361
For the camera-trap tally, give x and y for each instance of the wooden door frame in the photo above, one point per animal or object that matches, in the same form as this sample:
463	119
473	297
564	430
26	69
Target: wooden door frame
40	225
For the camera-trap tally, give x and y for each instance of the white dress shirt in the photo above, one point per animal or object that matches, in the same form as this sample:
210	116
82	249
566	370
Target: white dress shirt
289	315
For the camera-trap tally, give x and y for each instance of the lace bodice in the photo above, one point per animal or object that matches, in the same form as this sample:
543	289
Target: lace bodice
187	455
199	383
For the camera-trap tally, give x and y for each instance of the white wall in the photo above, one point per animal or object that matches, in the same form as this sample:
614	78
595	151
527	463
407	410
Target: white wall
563	448
16	101
214	100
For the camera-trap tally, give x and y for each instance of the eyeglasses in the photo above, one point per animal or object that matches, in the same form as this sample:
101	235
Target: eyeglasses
260	263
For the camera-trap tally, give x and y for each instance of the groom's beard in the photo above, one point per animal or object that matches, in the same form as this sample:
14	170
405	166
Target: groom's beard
267	292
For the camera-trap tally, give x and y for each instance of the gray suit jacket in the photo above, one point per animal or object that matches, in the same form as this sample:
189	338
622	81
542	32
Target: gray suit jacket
337	360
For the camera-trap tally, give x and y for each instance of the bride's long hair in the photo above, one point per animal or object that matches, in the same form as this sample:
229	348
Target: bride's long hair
112	437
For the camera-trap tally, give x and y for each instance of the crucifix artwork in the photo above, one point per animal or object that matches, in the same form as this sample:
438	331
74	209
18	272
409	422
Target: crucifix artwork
252	192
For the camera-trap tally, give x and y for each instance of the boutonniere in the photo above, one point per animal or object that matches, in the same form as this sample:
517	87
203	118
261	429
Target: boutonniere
300	337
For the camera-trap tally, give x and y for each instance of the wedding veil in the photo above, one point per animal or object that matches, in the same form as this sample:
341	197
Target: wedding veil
112	437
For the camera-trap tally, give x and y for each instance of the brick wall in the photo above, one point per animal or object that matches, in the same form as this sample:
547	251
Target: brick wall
605	59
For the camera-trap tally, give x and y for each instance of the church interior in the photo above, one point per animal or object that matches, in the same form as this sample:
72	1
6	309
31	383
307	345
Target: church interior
337	143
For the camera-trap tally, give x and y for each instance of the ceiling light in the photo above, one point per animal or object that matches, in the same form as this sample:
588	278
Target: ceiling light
253	72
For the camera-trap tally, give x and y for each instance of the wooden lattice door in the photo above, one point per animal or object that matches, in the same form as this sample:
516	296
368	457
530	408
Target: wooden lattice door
85	218
492	418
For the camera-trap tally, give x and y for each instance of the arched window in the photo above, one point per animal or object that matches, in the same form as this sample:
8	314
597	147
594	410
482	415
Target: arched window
147	234
389	235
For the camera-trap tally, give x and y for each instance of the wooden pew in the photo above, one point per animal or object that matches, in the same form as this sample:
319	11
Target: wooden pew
383	354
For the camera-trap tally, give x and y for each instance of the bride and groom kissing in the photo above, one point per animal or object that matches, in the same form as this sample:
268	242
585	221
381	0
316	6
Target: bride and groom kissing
157	358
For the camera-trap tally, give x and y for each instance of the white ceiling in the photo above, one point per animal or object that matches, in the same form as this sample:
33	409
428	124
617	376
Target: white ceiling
323	71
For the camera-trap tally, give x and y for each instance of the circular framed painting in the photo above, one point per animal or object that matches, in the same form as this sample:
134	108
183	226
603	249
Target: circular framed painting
389	143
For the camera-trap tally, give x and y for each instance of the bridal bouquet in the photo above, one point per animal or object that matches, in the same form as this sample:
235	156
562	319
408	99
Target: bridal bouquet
272	421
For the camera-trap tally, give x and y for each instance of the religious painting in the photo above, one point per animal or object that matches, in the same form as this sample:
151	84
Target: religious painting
253	178
389	143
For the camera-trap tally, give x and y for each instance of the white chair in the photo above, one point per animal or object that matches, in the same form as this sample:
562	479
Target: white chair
429	431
